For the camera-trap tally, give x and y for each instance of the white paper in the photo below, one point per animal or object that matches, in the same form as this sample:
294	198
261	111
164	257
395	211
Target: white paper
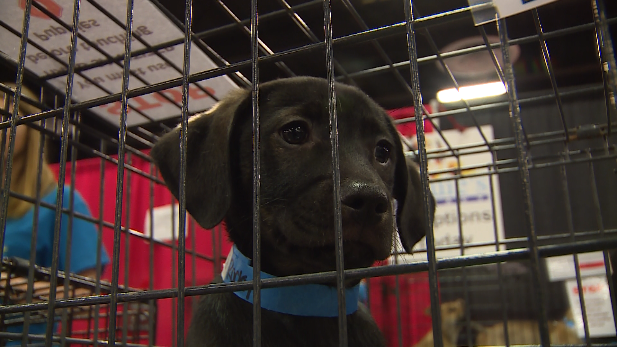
148	23
562	267
163	227
597	304
508	8
486	11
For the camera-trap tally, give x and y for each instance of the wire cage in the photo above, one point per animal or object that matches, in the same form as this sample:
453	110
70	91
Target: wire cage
524	180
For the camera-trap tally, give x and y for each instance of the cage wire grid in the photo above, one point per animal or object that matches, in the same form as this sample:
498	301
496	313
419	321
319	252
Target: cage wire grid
62	120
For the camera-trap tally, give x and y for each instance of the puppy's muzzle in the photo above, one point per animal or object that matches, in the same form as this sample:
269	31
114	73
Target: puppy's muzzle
367	221
364	204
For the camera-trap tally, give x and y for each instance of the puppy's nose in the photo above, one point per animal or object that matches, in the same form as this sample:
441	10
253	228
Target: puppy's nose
365	202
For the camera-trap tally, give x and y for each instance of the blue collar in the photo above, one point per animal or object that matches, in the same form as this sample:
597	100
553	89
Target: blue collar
314	300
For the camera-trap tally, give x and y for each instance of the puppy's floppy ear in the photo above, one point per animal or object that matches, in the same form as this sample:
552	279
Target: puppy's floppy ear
410	215
208	189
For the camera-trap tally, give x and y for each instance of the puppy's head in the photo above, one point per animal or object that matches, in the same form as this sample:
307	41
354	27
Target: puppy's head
297	205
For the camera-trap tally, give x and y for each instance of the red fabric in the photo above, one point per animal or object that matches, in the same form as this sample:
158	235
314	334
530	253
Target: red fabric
165	262
414	301
408	129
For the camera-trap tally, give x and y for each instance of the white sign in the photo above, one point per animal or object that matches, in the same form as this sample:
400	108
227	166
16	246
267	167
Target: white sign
148	23
562	267
477	220
508	8
597	304
164	226
485	11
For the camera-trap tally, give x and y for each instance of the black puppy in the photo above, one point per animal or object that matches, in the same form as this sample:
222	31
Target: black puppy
297	217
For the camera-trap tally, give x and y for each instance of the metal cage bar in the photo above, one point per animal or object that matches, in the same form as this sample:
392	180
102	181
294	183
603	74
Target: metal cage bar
524	172
61	177
120	175
584	246
577	270
256	197
186	68
336	177
430	242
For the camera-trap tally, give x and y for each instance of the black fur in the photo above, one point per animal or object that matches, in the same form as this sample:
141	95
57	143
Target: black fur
297	226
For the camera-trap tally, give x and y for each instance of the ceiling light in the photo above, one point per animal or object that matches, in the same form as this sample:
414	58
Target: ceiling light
471	92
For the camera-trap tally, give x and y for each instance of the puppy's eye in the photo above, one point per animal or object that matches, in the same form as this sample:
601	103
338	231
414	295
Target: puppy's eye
295	133
382	152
